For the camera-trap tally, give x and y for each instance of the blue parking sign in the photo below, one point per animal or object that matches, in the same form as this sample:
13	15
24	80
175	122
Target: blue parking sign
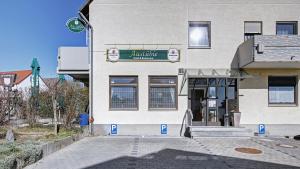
163	129
261	129
114	129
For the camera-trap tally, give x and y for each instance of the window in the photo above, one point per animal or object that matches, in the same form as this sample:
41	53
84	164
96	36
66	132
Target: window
286	28
199	35
282	90
123	92
162	92
252	28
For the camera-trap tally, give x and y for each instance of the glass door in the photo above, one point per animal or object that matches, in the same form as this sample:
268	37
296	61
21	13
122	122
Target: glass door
212	109
197	105
213	100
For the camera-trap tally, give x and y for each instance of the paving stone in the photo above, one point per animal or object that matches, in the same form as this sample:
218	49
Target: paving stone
173	153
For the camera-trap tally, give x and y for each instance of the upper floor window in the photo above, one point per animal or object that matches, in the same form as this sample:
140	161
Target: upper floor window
252	28
287	28
199	35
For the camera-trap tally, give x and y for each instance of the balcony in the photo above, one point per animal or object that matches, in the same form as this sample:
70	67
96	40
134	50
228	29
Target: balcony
269	51
74	61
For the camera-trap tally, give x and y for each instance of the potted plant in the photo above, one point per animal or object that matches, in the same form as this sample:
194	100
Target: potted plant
236	118
235	113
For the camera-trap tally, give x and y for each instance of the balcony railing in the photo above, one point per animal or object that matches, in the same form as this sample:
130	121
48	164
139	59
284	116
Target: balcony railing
73	60
269	51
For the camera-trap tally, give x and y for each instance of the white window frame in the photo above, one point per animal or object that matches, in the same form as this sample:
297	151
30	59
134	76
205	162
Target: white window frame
163	85
124	85
208	23
284	103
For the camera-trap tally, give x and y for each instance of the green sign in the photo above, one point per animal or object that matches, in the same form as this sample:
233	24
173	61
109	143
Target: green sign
75	25
114	55
143	54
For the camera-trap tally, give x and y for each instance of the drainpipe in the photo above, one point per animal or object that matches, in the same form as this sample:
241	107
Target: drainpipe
90	36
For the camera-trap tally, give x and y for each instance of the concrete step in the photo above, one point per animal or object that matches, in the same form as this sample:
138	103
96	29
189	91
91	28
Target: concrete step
209	131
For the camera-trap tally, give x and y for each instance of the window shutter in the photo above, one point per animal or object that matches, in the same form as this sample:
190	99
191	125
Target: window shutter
253	27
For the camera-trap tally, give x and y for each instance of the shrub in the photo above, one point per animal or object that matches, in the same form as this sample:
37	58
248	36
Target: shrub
14	156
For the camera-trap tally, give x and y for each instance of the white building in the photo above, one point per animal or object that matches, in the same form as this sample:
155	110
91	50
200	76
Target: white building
234	56
19	80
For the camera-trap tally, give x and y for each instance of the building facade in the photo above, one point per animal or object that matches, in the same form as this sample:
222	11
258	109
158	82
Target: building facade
153	61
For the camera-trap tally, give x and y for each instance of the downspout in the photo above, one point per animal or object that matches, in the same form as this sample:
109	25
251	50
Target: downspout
90	34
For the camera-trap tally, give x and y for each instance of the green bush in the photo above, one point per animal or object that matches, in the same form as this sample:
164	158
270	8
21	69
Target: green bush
14	156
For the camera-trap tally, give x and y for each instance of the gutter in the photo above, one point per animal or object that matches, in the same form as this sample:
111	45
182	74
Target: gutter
90	29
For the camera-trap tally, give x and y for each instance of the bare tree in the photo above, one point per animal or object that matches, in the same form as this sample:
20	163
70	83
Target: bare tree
26	107
73	99
3	106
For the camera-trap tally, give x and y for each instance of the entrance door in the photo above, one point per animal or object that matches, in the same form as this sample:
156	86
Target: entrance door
197	107
212	100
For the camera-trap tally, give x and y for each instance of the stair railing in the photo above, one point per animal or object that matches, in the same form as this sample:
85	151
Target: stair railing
187	120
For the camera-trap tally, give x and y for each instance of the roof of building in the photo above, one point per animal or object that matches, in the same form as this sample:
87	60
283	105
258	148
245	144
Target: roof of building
50	82
20	75
85	8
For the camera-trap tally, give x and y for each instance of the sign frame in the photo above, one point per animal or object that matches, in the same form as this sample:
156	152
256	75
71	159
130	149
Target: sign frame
81	23
113	129
261	129
121	52
164	129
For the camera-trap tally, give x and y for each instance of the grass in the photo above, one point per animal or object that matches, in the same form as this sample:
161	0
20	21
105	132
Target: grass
63	133
43	133
36	129
3	129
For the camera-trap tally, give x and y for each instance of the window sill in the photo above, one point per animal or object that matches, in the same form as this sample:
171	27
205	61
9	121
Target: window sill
113	109
208	47
282	105
161	109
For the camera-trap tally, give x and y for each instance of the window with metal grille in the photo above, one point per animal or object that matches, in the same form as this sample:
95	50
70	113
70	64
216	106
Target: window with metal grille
162	92
123	92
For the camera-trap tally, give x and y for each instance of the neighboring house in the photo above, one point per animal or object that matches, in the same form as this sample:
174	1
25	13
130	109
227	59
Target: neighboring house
50	82
19	80
154	60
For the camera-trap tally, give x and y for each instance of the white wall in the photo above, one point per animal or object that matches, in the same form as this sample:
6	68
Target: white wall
166	22
25	85
254	100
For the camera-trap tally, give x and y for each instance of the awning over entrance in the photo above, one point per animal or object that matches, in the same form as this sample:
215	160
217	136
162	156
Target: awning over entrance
210	73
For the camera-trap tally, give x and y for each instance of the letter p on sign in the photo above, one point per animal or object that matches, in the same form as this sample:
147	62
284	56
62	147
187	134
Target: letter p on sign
114	129
163	129
261	129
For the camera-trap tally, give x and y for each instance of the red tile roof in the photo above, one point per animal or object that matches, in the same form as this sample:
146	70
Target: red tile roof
20	75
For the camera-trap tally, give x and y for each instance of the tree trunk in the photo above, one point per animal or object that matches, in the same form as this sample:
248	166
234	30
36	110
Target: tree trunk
54	114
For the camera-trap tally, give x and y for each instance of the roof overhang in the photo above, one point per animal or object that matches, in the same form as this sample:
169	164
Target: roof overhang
84	9
211	73
273	65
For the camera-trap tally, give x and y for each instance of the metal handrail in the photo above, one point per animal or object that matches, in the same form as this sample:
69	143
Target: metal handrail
190	116
187	120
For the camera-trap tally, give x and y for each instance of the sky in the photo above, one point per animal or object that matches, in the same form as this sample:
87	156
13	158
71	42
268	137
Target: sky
36	28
